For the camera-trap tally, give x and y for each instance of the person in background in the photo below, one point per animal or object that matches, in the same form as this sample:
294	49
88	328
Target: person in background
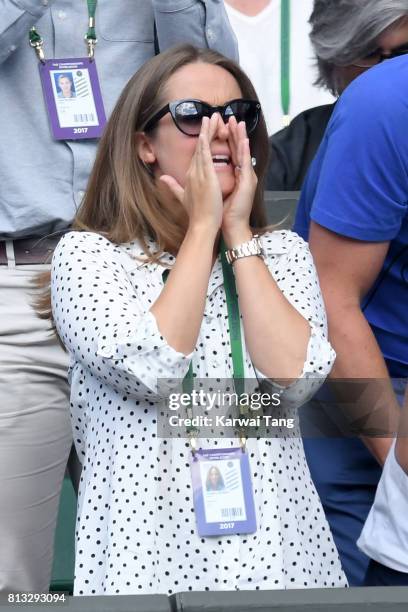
348	38
260	30
353	210
42	182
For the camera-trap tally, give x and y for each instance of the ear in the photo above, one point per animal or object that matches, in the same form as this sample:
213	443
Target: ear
145	149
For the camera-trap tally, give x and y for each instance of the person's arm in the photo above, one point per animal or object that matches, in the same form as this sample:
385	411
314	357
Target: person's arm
180	307
277	318
16	19
276	334
347	269
202	23
284	319
401	445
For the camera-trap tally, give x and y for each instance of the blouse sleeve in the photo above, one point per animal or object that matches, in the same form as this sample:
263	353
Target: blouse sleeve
101	323
296	276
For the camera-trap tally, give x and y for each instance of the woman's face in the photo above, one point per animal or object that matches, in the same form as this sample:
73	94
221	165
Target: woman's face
65	85
214	476
173	150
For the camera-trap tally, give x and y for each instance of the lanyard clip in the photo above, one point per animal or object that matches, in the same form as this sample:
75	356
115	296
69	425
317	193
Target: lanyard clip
243	412
193	443
90	37
37	43
91	44
192	433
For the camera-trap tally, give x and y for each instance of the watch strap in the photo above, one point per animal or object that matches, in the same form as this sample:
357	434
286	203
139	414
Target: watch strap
246	249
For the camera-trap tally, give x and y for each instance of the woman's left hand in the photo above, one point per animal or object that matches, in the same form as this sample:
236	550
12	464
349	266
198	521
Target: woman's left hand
238	205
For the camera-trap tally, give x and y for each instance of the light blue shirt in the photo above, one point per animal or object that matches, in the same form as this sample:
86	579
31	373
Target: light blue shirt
42	181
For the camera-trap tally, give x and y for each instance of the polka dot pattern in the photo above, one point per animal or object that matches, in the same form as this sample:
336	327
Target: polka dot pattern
135	529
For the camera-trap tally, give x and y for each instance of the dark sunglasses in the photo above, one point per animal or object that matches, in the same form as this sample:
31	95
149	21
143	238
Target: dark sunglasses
188	114
377	56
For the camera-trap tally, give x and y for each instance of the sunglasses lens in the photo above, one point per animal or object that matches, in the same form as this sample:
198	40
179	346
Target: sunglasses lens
188	116
244	111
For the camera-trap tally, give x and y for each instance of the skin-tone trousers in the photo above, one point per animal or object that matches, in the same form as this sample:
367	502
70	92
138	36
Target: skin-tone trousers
35	434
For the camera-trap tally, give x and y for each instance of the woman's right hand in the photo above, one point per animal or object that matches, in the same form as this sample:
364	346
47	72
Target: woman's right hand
180	306
201	196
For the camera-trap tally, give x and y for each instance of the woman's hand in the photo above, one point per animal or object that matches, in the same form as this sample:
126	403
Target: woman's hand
238	205
201	196
180	307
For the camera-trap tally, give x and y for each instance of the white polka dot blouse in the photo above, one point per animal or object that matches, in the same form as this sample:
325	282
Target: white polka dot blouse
136	529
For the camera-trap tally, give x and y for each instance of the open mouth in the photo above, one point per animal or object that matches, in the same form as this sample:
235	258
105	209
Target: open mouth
221	160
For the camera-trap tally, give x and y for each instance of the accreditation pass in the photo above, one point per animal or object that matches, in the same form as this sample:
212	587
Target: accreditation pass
222	488
73	98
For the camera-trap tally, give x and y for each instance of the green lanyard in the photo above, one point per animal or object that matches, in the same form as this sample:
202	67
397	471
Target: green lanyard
37	42
234	325
285	60
234	322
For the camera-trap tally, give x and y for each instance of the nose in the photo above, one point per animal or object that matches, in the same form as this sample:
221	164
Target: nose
222	129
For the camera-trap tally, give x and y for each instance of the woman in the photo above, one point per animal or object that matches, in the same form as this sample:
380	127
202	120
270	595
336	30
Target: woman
172	174
214	481
65	84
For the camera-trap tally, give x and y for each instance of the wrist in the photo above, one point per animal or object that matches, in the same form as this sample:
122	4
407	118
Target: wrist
203	231
236	236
